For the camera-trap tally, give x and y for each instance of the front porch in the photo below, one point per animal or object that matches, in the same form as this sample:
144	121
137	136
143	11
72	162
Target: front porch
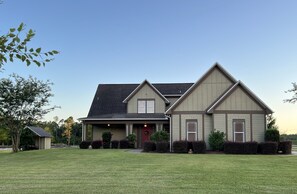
92	130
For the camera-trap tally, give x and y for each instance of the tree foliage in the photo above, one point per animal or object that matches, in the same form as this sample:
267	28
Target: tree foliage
22	101
68	123
294	97
13	46
271	122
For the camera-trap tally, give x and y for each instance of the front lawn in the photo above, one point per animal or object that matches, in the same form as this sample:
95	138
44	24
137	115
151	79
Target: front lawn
119	171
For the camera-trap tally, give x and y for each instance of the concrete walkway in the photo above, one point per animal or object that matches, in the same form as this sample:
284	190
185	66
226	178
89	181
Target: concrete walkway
135	151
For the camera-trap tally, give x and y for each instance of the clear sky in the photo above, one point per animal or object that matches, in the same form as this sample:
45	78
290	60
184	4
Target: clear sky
117	41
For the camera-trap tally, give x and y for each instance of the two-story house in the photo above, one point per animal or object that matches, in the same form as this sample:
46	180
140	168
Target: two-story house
188	111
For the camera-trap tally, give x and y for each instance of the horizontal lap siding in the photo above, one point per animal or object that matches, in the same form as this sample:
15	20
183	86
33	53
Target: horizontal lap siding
184	118
208	127
175	128
220	122
246	118
117	134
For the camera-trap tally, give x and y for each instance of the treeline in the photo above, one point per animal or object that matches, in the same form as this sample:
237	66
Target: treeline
63	131
291	137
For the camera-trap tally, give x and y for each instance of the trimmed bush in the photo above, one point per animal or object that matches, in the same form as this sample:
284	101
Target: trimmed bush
180	147
160	136
85	144
199	147
96	144
234	147
216	140
106	137
285	147
272	135
251	147
29	147
115	144
149	146
124	144
268	148
106	145
162	147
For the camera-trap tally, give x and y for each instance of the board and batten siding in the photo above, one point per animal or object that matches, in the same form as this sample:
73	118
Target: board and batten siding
175	127
220	122
239	101
146	92
258	127
191	117
247	121
213	86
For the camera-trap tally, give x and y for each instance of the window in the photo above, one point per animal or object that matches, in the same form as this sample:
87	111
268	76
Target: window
192	130
146	106
239	130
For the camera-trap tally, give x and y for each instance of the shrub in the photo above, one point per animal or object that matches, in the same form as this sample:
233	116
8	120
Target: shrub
160	136
199	147
29	147
251	147
285	147
131	139
216	140
162	147
272	135
180	146
96	144
124	144
234	147
106	137
85	144
115	144
149	146
268	148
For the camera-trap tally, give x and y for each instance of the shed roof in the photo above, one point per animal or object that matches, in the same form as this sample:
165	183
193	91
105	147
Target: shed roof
39	131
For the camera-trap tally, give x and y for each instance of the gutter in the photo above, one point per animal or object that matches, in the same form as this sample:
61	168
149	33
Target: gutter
170	134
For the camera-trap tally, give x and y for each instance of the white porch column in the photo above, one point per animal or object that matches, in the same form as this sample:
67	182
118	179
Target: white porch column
83	132
130	128
127	129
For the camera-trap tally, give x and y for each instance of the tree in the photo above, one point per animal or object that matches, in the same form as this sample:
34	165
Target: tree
68	123
15	47
271	122
294	97
22	102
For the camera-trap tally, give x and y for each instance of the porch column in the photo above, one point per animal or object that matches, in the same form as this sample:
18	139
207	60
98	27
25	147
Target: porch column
127	129
83	132
130	128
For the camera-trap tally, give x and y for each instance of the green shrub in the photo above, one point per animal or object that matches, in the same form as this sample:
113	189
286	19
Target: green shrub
149	146
96	144
285	147
124	144
106	137
180	147
199	147
115	144
162	147
160	136
85	144
131	139
233	147
272	135
216	140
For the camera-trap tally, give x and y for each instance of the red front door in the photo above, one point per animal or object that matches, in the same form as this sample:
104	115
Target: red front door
146	134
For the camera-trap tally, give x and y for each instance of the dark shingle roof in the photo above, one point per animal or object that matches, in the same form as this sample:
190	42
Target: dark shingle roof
39	131
109	97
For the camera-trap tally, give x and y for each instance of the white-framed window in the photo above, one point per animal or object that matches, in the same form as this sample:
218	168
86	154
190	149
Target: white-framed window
239	130
192	130
146	106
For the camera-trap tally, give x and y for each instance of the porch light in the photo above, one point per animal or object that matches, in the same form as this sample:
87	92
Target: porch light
108	125
145	125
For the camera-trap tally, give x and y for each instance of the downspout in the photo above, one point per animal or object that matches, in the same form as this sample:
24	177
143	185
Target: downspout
170	134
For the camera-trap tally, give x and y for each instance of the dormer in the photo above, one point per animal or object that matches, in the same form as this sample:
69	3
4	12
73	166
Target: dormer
146	99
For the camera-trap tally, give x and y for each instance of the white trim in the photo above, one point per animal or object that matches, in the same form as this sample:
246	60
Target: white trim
198	81
123	119
139	86
195	132
243	130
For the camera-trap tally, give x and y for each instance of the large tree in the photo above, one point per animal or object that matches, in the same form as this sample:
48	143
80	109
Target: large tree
68	123
294	91
14	46
22	101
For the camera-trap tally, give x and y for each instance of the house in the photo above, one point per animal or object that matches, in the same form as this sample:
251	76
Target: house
42	139
188	111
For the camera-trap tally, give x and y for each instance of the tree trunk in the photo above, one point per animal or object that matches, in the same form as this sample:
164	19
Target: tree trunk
15	141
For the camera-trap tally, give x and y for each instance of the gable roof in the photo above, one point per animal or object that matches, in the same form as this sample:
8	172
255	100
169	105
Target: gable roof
247	90
194	86
38	131
109	98
139	88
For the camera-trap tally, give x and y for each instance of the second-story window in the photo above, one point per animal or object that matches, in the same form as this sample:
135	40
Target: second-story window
146	106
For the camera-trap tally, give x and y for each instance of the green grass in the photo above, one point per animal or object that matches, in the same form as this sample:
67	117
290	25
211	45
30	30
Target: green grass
119	171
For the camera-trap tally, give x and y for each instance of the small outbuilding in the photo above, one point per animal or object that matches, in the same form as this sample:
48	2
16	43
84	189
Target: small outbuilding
41	137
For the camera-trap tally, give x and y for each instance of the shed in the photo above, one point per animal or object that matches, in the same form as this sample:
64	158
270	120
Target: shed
42	138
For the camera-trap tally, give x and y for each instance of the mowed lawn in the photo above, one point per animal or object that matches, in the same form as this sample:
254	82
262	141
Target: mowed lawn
120	171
